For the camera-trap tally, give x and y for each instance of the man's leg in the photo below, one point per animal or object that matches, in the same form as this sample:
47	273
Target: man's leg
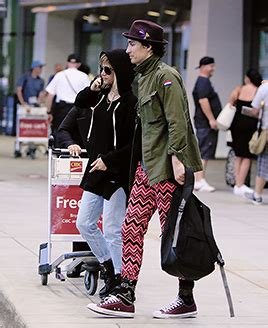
183	306
141	206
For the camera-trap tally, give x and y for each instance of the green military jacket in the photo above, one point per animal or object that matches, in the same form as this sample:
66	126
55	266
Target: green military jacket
165	120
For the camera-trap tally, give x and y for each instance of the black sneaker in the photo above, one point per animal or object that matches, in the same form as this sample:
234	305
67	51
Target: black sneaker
110	285
251	197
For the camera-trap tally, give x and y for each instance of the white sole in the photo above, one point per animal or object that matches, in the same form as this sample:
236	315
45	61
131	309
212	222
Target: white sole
93	307
159	315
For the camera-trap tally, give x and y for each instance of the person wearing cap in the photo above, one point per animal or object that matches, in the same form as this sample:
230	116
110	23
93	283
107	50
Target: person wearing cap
30	85
164	145
64	87
207	108
29	89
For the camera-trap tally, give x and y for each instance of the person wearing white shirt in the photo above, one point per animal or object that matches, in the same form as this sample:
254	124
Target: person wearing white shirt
262	161
64	87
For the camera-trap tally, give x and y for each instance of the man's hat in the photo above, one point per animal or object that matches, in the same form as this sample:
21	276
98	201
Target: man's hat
205	61
143	30
37	63
73	58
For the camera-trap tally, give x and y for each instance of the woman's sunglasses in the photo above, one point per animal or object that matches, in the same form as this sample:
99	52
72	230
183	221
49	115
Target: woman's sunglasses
107	70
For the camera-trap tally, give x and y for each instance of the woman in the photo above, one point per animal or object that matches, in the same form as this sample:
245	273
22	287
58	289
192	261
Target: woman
262	161
242	129
103	116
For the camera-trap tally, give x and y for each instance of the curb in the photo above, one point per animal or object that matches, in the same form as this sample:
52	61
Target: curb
9	317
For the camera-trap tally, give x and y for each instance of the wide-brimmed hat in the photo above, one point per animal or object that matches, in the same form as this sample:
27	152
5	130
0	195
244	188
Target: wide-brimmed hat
143	30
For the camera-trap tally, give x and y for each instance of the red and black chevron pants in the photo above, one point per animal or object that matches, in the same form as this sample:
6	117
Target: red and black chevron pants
143	202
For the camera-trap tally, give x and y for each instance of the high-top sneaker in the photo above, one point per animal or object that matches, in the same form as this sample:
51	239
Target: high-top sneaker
110	285
110	279
176	309
120	304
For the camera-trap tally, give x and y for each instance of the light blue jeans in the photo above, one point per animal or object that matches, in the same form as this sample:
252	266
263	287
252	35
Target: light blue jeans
106	245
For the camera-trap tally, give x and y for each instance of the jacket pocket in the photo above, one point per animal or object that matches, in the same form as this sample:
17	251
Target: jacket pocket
151	110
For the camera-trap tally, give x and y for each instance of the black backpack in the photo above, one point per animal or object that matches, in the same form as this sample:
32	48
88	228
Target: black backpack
188	247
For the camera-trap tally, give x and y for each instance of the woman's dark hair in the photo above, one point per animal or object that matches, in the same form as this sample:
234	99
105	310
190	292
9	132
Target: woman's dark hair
254	76
157	48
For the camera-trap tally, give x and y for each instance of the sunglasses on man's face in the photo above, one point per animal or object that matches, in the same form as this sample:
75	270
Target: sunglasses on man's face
106	69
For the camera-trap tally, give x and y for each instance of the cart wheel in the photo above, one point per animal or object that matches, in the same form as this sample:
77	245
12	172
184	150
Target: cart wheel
17	154
31	152
91	281
44	279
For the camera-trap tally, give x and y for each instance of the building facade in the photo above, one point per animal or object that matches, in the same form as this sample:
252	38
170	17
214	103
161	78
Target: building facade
234	32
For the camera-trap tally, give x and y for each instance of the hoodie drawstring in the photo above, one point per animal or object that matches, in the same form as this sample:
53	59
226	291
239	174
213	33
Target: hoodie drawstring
92	117
114	124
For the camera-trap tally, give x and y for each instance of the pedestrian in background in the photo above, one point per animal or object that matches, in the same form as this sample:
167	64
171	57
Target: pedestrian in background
104	116
65	86
57	68
207	108
242	128
165	146
29	91
262	160
30	85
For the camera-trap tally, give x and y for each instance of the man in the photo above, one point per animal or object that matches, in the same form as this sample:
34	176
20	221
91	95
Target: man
166	146
29	90
65	86
207	108
30	85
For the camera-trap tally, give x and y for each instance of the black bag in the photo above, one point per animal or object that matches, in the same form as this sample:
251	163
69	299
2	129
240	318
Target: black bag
188	247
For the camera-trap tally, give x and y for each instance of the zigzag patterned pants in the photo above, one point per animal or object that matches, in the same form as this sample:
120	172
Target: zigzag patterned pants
143	202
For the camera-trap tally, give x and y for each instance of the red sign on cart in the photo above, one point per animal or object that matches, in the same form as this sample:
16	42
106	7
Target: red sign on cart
33	128
76	166
65	202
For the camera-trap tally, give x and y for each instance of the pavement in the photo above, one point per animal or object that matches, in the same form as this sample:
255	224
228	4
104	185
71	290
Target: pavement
240	229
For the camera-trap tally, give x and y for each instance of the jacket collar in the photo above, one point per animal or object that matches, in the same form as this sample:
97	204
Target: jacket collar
148	65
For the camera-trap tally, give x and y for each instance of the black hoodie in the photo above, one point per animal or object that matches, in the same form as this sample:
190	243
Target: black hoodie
106	130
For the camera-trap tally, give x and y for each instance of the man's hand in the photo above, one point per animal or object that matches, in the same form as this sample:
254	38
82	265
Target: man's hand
213	124
98	165
178	170
74	150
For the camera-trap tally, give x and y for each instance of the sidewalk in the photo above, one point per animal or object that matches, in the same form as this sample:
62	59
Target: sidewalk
241	231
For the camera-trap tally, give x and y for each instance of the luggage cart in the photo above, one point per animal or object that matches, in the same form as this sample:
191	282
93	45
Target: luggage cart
64	195
32	129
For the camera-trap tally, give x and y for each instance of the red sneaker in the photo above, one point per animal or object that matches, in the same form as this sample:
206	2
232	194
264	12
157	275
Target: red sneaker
176	309
113	306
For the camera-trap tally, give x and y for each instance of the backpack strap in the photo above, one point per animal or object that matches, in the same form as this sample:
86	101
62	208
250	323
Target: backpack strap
227	291
187	190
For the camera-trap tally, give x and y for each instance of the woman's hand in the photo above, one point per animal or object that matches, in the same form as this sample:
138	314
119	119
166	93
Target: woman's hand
178	170
98	165
74	150
96	84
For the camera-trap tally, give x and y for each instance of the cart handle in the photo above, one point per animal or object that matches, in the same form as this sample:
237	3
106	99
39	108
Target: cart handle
60	151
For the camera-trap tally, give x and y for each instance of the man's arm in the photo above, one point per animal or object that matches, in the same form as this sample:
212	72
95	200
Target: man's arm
20	96
205	106
49	101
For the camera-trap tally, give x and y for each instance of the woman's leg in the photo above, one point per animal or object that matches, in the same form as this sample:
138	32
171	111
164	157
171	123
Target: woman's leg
87	223
114	211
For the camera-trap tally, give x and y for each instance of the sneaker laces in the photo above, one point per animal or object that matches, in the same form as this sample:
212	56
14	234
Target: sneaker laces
173	305
110	300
